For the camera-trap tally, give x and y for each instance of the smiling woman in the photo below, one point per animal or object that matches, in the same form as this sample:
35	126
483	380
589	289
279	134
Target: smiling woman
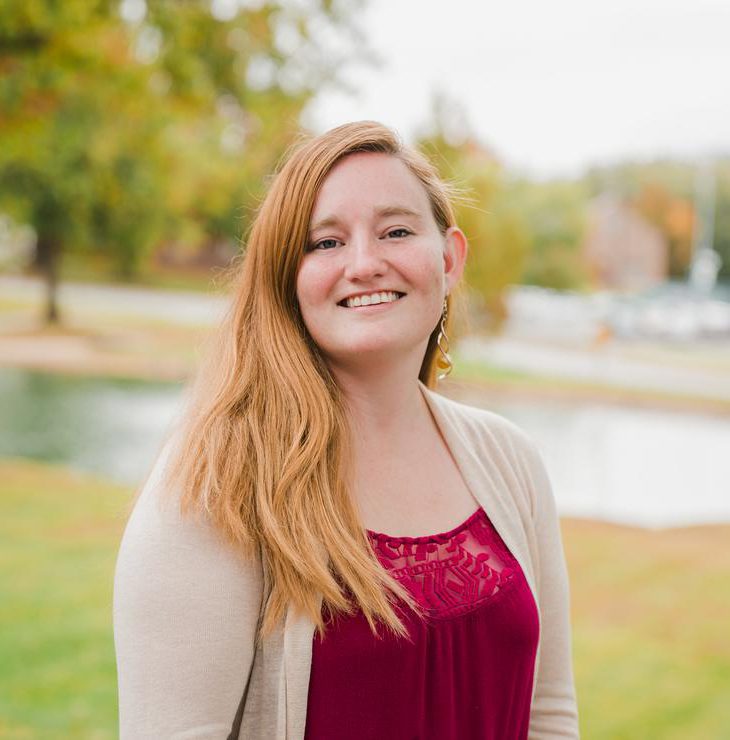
373	232
257	592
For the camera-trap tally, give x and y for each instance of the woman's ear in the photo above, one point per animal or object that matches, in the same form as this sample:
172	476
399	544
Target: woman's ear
455	250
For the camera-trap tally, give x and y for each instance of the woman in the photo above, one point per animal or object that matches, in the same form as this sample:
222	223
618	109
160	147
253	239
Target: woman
327	548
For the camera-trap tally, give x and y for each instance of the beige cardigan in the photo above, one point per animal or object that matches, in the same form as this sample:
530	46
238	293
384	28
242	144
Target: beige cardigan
186	606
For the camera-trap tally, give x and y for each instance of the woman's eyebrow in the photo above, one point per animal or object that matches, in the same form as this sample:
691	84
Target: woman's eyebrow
388	211
325	223
380	212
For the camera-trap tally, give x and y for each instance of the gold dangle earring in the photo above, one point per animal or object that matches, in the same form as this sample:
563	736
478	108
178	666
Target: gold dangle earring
444	361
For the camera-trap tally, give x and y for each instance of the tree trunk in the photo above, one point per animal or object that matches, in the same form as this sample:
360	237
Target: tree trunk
47	258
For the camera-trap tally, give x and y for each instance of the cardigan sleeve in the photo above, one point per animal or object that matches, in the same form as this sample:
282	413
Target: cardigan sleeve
554	712
185	614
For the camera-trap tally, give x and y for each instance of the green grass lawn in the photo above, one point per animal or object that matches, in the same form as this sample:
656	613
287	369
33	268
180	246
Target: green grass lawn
650	614
651	618
59	534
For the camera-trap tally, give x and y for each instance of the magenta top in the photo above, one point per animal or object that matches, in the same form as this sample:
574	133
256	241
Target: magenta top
468	672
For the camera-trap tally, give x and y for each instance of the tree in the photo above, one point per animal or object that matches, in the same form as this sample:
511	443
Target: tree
494	228
674	216
125	123
64	66
554	213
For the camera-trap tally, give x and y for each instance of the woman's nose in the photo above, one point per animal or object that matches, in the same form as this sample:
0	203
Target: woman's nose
364	258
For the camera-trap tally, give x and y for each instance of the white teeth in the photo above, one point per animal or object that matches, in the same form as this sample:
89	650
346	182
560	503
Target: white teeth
372	299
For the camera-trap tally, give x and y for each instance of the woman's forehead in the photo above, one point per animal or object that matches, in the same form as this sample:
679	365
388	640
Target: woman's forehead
376	182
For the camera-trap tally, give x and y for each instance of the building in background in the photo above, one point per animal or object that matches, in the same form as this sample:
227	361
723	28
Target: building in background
622	250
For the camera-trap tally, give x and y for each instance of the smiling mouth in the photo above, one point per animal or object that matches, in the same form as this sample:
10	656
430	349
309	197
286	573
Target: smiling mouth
398	296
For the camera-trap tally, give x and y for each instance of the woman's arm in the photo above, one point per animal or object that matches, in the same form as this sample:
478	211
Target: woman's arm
554	710
185	613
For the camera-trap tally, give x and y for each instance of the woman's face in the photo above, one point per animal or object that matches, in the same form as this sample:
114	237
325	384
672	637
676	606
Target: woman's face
373	238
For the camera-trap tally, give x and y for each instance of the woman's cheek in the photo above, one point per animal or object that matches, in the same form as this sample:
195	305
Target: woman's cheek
312	283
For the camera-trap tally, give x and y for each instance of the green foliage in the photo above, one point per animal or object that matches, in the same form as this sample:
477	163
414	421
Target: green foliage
127	125
69	122
518	231
493	227
555	217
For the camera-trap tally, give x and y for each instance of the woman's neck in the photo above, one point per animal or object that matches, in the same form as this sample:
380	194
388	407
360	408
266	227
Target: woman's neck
386	411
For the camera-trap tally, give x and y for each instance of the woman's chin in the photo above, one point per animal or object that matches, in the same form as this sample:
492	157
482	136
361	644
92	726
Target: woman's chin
376	353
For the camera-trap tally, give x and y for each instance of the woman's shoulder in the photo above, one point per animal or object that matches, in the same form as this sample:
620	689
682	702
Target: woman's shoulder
165	551
186	607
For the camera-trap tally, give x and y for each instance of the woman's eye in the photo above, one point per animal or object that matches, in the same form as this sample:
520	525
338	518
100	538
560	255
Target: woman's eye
326	244
398	233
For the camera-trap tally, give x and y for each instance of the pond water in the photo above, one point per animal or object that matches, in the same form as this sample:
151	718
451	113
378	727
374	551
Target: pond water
111	427
647	467
636	466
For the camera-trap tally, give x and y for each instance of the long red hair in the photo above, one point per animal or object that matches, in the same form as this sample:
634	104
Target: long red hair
265	448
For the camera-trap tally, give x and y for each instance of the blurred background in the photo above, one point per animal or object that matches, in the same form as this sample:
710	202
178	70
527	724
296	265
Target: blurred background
592	141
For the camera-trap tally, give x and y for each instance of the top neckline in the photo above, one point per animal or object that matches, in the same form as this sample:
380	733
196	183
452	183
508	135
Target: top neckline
438	537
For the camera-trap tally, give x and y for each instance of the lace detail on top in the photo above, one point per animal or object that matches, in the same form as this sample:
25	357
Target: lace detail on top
451	573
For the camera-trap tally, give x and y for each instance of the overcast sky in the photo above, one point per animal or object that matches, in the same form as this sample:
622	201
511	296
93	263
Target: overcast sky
551	86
